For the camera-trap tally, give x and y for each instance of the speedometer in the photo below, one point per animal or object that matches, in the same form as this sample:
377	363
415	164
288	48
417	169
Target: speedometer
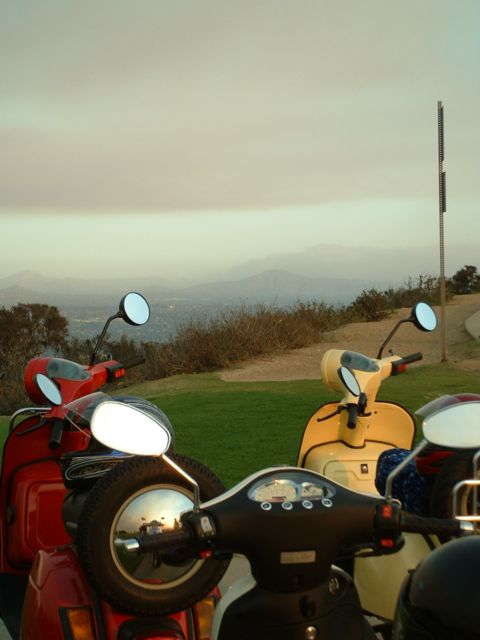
274	491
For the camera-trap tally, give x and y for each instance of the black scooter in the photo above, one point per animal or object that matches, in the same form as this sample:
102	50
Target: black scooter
291	524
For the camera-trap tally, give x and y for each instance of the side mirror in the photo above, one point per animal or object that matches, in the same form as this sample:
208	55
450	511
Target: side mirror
134	309
455	427
125	428
49	389
423	317
349	380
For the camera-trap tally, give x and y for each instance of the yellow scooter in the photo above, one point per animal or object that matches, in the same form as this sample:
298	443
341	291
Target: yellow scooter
343	440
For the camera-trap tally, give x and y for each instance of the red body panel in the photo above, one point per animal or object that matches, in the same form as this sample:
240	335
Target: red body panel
57	581
31	494
37	508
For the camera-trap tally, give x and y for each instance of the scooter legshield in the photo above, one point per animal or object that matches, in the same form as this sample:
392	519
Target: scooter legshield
57	585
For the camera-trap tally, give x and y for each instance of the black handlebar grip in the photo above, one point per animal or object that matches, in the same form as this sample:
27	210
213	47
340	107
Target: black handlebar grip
134	362
167	541
56	434
434	526
413	357
352	416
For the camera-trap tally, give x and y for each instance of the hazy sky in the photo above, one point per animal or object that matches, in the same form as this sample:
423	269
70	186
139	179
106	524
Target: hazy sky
184	137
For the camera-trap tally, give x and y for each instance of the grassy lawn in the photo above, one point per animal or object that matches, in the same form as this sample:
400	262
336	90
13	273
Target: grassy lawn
239	427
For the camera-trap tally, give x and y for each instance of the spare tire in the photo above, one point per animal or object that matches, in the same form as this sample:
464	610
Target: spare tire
139	496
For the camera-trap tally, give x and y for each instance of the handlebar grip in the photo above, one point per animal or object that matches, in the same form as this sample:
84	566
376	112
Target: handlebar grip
413	357
165	541
352	416
56	434
436	526
134	362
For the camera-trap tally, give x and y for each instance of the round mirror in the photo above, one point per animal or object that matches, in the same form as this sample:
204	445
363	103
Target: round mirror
49	389
125	428
134	309
424	317
349	380
455	427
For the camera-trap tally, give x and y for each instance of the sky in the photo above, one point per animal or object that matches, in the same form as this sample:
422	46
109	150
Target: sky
187	138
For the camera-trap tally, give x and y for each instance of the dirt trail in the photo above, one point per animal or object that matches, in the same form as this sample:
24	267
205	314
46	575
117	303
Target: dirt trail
366	337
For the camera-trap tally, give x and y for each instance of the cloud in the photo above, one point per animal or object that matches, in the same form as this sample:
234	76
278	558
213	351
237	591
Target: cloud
179	106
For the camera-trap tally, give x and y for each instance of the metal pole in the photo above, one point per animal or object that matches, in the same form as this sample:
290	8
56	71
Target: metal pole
442	198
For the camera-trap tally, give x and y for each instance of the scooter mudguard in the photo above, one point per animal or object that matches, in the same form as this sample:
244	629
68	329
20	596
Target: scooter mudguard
58	597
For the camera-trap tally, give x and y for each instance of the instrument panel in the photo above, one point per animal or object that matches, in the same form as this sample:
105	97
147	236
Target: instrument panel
290	487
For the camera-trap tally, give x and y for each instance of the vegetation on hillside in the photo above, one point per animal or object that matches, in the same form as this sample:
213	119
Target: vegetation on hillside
28	330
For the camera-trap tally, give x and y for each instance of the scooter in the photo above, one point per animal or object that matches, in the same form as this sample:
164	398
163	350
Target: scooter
45	457
290	523
61	601
343	441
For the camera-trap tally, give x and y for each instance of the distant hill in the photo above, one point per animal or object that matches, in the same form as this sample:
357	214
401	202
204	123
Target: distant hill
271	286
30	286
277	286
371	264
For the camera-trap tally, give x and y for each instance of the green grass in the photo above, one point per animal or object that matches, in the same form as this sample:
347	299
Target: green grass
238	427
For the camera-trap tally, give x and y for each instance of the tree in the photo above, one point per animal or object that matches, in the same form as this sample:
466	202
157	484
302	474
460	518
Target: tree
26	330
466	280
31	328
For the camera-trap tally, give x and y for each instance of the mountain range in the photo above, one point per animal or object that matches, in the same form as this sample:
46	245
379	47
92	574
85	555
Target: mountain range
273	286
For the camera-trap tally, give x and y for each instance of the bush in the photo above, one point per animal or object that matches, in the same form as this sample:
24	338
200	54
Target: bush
466	280
370	305
237	335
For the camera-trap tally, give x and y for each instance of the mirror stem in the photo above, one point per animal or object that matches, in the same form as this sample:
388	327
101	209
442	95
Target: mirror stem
100	339
184	474
398	469
389	337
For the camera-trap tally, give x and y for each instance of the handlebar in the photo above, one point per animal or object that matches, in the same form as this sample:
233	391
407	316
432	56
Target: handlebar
403	522
116	370
435	526
134	362
413	357
56	434
352	416
262	519
165	541
399	366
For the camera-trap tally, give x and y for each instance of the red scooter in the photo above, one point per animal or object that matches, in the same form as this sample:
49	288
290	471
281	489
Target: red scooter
49	460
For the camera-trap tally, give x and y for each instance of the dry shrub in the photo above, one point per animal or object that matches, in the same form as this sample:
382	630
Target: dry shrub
245	333
238	335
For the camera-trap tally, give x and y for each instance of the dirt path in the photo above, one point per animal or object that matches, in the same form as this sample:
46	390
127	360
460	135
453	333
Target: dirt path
367	337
